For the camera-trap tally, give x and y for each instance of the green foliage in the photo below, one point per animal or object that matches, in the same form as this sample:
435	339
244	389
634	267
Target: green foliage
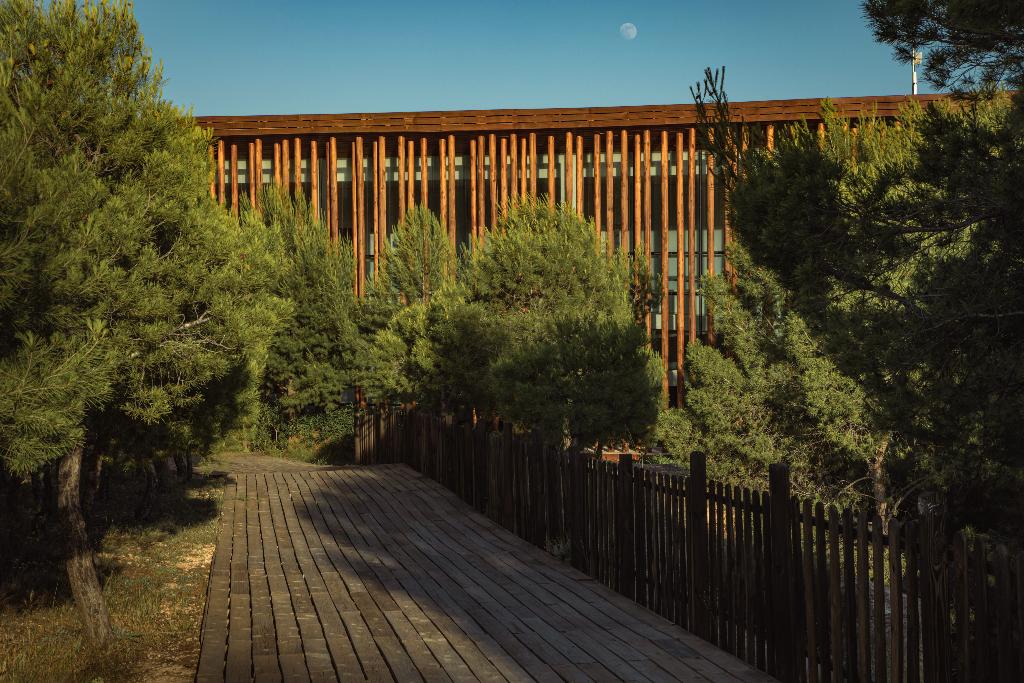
310	361
970	43
106	223
324	437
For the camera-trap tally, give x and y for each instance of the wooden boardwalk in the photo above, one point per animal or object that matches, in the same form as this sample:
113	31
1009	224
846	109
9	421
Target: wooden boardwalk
377	573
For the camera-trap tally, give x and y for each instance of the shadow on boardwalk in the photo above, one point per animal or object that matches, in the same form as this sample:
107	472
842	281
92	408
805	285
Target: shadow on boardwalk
376	573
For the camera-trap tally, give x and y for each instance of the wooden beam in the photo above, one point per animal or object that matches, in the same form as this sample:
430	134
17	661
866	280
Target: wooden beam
360	224
234	179
551	170
568	181
492	177
503	161
624	191
453	224
472	193
533	164
424	174
334	215
663	249
442	156
522	167
597	188
579	175
609	189
401	178
213	172
314	183
680	285
382	184
220	172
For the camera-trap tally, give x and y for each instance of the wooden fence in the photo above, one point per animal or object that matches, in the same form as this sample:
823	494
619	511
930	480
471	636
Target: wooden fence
804	592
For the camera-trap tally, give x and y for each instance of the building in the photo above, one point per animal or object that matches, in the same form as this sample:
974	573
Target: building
636	171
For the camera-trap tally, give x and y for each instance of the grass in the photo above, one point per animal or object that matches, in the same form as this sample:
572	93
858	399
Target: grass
154	576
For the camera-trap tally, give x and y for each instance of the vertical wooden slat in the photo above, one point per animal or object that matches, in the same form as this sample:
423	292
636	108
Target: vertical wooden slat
472	193
503	163
382	195
258	171
314	183
624	241
849	595
551	170
913	608
523	153
492	177
597	188
424	173
297	164
878	598
835	596
981	619
710	239
1018	569
376	207
811	604
334	217
962	602
481	183
691	237
286	166
251	174
442	153
663	247
647	203
533	164
821	586
357	231
1004	623
680	285
452	217
863	597
609	189
568	179
277	164
402	208
410	160
638	234
579	174
769	136
213	171
234	179
896	600
220	172
513	145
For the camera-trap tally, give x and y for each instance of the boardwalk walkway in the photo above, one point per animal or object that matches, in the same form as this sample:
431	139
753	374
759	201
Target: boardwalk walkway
380	574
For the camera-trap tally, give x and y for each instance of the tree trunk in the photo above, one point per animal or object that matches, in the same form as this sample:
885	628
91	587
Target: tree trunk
92	465
146	502
85	585
879	484
168	473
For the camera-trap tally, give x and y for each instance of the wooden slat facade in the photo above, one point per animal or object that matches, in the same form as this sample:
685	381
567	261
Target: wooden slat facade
473	164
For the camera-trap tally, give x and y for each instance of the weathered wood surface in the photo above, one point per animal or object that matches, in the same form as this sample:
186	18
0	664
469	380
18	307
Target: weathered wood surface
378	573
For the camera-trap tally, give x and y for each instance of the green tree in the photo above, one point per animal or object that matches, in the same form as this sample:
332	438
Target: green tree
309	365
569	356
126	292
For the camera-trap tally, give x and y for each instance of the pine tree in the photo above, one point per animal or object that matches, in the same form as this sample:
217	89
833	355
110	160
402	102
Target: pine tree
127	293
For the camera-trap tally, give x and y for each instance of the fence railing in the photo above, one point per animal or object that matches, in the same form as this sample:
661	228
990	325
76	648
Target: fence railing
804	592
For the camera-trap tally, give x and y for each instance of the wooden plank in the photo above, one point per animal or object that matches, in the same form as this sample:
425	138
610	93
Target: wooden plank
811	605
609	190
359	229
277	164
376	241
481	180
286	166
297	162
835	596
638	231
896	600
234	179
523	153
710	217
382	196
579	174
314	185
424	174
691	236
878	598
648	227
332	187
213	172
250	174
258	171
680	276
533	164
410	159
514	163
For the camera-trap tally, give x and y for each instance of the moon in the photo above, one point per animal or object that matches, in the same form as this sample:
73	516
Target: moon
628	31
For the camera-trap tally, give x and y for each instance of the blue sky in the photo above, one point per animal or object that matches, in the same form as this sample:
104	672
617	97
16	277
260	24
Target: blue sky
260	57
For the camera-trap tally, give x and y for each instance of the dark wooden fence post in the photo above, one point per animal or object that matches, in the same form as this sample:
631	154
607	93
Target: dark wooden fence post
781	552
624	527
697	537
